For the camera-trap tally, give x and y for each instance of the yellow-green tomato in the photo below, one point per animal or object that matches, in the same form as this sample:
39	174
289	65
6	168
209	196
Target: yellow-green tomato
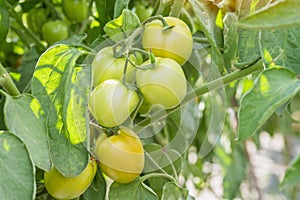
163	84
75	10
121	156
105	66
61	187
111	103
175	43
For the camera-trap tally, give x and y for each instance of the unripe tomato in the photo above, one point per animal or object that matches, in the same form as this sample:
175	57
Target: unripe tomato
105	66
61	187
111	103
121	156
164	84
75	10
176	43
53	31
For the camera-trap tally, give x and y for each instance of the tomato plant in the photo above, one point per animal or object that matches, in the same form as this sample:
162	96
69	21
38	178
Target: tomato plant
175	99
173	42
163	84
105	66
111	103
121	156
75	10
53	31
61	187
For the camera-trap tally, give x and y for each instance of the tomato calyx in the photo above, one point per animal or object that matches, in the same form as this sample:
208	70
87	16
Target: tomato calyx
111	131
166	27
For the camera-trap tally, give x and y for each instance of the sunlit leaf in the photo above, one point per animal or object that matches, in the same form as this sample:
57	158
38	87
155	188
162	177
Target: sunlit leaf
62	88
25	118
16	169
272	88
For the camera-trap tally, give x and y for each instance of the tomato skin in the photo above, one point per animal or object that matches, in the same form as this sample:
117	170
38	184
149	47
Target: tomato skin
53	31
105	66
111	103
75	10
36	18
121	156
61	187
164	84
176	43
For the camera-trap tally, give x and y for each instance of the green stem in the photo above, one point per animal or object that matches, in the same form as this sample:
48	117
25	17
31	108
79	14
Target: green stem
176	8
220	82
27	31
154	175
7	82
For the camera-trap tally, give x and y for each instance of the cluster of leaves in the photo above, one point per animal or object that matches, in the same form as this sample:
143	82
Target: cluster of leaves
48	123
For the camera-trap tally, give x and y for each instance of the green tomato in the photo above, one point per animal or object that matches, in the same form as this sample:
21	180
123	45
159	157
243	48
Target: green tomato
105	66
121	156
75	10
164	84
176	43
111	103
143	12
61	187
35	18
53	31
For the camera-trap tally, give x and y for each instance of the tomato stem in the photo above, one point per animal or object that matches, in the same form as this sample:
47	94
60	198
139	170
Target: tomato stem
176	8
154	175
7	83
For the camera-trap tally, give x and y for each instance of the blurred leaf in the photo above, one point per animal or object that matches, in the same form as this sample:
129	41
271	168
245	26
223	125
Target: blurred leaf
97	189
282	47
292	173
237	165
62	89
29	4
279	14
25	118
271	89
135	190
119	6
118	28
16	170
23	74
105	10
230	39
4	23
171	191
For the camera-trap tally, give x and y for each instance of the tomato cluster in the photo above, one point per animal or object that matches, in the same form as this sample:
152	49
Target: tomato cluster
121	84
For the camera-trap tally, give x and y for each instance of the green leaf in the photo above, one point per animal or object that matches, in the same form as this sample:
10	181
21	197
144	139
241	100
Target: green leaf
171	191
25	118
16	170
272	88
4	24
118	28
62	88
282	47
292	173
248	45
279	14
135	190
230	39
97	189
105	10
119	6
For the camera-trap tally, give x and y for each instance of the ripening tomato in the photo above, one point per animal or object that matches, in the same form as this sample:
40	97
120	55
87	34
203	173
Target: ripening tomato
121	156
176	43
105	66
61	187
111	103
163	84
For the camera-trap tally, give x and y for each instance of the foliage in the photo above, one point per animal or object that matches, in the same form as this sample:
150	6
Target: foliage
242	84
